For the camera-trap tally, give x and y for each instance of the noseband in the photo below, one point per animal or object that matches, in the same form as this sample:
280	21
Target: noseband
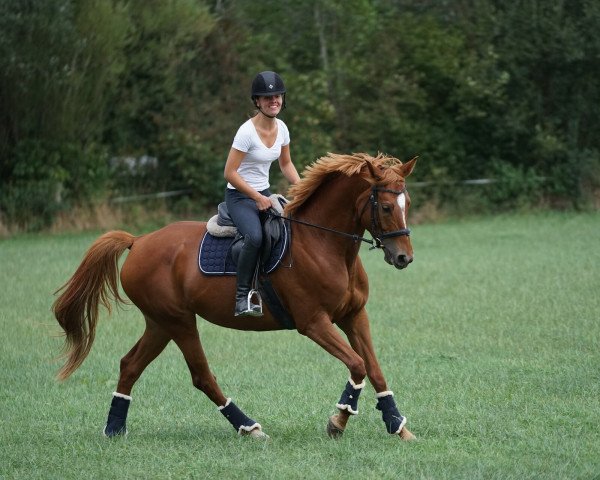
376	231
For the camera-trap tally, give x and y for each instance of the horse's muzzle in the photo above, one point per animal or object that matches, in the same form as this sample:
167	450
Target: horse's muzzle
402	261
399	261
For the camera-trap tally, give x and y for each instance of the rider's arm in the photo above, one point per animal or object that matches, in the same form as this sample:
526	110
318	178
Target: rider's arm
287	167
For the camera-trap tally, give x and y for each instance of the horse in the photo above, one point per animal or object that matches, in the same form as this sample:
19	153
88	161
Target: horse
325	289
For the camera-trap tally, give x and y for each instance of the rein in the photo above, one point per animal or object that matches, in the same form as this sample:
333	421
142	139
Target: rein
376	242
353	236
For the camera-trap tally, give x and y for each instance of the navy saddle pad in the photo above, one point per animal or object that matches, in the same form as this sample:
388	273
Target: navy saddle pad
214	257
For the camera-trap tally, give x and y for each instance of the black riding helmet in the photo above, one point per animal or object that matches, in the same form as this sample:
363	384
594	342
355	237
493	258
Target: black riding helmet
266	84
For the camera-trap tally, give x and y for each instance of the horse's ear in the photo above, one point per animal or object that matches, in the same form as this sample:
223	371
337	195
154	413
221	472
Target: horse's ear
373	172
407	168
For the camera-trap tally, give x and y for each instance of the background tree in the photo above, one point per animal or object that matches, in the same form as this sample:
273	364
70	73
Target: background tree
104	98
59	62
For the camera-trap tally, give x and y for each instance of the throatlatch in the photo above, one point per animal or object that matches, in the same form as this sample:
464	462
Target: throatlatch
349	398
237	418
117	415
392	418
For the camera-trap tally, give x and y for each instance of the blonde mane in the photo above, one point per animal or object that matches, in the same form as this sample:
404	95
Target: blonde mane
348	165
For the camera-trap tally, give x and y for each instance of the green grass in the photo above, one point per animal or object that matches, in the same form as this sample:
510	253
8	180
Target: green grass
490	340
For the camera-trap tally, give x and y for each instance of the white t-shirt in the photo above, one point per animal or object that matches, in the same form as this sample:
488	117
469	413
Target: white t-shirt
255	166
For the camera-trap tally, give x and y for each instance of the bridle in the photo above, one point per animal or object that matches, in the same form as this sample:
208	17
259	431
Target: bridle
376	230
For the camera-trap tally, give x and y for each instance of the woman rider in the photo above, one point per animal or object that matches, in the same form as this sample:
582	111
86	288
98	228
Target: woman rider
258	142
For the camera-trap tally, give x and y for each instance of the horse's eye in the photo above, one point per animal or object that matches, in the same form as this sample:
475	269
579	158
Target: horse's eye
386	207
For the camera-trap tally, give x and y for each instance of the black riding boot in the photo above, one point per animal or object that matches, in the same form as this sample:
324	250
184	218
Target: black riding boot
246	266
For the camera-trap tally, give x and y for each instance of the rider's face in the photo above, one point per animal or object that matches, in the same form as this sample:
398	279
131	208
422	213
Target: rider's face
270	104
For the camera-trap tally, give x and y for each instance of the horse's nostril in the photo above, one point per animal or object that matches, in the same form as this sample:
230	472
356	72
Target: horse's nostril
404	259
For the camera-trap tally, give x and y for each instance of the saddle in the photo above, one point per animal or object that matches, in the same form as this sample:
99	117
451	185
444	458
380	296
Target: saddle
221	245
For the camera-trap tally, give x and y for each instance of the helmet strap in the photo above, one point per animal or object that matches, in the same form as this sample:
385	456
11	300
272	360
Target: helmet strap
270	116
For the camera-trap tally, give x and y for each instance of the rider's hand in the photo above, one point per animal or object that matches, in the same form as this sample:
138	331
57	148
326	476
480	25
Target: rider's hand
263	203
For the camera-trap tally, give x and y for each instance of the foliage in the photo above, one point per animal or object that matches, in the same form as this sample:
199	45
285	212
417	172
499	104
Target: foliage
471	87
48	177
514	187
58	62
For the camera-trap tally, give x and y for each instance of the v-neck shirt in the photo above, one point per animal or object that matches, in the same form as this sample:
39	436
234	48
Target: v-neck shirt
256	164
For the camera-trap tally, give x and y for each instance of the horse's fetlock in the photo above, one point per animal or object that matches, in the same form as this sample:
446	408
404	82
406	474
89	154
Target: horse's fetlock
391	416
116	423
238	419
349	399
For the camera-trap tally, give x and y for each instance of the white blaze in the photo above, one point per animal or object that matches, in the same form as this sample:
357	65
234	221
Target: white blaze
401	199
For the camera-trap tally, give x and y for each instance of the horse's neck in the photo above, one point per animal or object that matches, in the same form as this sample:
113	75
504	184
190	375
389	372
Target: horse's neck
333	206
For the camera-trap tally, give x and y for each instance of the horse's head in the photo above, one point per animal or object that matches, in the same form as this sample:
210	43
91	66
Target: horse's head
383	208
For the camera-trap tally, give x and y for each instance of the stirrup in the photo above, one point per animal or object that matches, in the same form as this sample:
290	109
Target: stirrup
252	309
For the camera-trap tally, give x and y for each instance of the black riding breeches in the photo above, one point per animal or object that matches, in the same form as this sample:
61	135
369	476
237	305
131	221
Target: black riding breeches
245	214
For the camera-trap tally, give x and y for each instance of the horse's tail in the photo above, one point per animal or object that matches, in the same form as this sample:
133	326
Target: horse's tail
95	281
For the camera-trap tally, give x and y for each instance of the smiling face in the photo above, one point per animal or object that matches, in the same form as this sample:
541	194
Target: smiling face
270	105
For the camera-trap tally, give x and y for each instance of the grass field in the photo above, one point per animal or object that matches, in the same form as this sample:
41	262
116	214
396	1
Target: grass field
490	340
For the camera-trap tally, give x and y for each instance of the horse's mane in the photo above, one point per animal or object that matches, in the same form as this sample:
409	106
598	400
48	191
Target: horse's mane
349	165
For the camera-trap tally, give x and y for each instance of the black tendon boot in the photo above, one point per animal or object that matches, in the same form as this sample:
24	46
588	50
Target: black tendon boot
246	267
117	415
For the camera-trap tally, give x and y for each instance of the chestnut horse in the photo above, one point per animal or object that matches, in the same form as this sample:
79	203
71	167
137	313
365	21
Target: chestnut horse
338	198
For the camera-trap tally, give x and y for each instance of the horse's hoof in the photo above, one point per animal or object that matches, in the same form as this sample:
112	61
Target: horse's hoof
334	429
406	435
110	433
256	433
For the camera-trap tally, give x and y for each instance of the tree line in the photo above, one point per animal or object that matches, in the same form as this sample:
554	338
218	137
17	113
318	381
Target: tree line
100	98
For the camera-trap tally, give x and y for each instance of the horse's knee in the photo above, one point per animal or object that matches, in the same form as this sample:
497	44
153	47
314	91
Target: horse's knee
358	370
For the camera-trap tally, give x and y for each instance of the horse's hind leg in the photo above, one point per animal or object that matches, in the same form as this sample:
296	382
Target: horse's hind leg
147	348
185	334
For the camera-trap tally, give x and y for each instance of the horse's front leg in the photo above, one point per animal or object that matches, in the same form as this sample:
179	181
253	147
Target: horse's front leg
324	333
358	332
